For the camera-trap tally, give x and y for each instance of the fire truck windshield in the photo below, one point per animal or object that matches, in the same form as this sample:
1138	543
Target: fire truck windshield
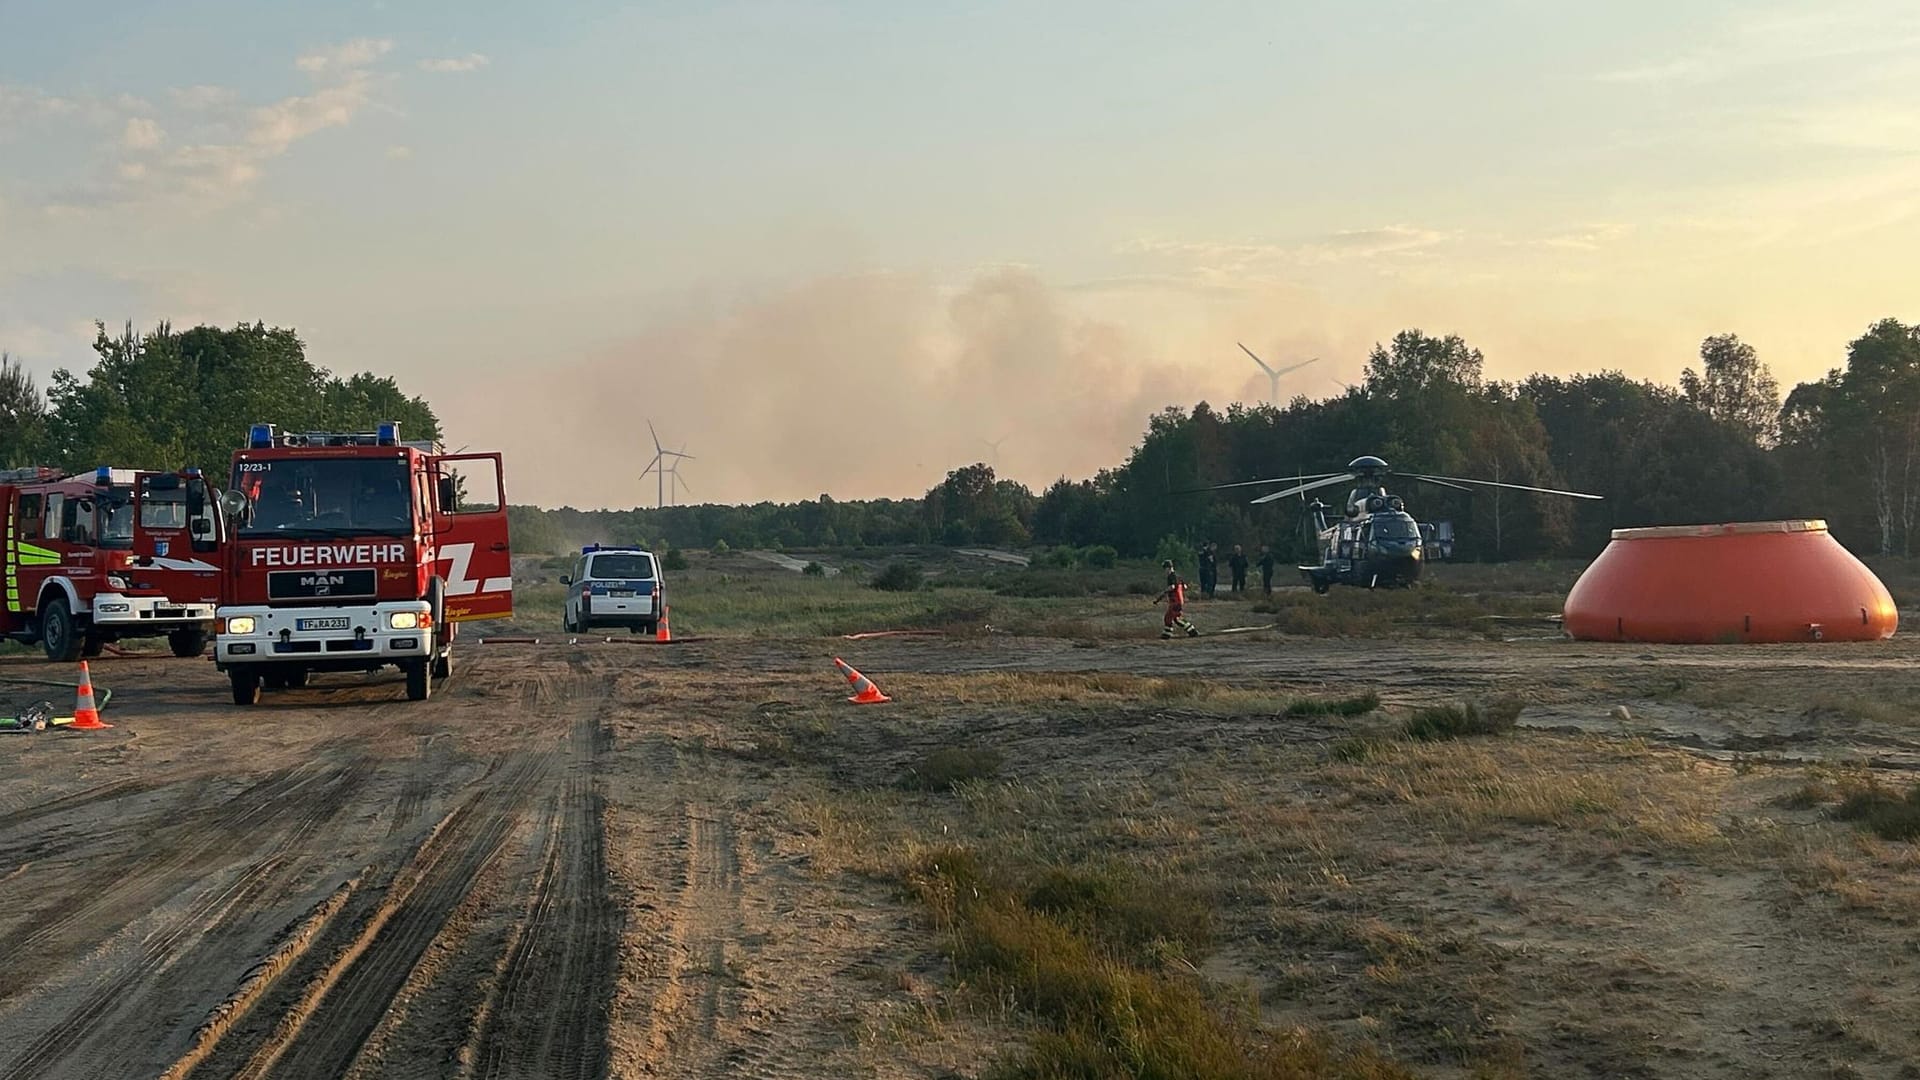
322	497
116	517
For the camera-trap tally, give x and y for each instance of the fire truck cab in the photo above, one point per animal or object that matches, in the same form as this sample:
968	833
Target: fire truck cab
108	555
353	552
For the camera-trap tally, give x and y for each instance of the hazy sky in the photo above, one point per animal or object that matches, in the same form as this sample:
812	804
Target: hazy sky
839	248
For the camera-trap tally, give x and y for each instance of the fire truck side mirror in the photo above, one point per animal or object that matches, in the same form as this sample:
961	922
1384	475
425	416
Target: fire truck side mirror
233	502
449	495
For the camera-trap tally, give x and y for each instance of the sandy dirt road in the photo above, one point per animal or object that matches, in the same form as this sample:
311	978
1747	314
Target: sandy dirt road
516	878
538	872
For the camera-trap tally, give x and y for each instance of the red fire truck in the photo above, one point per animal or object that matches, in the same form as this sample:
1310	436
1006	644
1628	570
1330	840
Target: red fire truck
108	555
355	551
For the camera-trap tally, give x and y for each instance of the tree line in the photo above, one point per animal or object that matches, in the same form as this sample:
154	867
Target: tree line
163	399
1720	444
1717	445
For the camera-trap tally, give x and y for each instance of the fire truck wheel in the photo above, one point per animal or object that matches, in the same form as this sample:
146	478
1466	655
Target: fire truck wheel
57	632
92	645
246	686
297	678
443	665
419	680
187	642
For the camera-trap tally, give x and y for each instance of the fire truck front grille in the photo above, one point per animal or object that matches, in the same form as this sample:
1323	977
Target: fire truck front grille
329	645
164	613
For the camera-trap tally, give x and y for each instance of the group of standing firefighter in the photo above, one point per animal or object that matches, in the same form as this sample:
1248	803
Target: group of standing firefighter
1175	594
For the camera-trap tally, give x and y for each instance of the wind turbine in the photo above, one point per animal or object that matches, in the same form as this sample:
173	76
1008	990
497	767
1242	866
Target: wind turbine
995	443
1275	375
673	470
660	454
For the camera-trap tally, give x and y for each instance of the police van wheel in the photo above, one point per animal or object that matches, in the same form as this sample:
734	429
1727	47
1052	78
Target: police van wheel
246	686
58	635
187	642
419	680
1321	585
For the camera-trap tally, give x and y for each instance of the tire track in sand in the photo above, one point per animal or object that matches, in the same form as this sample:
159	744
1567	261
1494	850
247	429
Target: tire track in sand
549	1014
81	1039
321	1035
701	993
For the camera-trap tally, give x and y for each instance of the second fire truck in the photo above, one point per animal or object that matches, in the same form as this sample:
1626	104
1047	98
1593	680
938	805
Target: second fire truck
353	552
108	555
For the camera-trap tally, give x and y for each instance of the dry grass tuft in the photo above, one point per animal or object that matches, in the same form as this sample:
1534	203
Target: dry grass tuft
943	769
1889	815
1087	953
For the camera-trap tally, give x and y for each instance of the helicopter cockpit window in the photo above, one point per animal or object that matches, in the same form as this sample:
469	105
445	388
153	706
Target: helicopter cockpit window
1395	528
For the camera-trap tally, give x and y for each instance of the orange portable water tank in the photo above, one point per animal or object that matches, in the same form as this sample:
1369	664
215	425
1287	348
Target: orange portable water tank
1750	581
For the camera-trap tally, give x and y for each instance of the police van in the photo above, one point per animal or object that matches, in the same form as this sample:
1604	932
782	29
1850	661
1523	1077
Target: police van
613	586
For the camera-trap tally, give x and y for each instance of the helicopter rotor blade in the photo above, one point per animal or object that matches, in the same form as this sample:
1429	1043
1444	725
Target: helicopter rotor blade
1301	488
1435	482
1516	487
1246	483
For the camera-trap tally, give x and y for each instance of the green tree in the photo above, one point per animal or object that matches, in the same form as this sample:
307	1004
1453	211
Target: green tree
23	416
1419	362
1735	388
165	399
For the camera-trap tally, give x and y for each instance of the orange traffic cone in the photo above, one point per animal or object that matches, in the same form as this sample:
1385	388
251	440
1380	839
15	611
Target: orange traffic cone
865	693
660	632
85	716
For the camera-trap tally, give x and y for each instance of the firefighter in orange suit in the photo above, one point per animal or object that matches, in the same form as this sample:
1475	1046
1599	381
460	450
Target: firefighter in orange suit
1175	596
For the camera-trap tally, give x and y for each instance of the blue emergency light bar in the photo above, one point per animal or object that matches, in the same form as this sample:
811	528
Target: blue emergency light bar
191	472
389	433
260	437
103	476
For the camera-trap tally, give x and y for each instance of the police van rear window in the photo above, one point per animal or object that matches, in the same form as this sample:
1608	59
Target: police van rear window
622	566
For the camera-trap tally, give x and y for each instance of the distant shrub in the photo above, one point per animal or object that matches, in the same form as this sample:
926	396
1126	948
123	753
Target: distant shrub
814	569
675	559
1042	584
1173	548
720	547
898	577
1060	558
1100	557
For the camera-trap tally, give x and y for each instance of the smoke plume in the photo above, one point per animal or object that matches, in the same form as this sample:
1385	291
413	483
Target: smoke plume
857	387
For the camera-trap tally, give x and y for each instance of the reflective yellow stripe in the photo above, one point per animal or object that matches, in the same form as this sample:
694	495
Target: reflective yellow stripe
13	560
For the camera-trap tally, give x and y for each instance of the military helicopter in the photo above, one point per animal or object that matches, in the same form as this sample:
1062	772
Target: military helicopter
1376	544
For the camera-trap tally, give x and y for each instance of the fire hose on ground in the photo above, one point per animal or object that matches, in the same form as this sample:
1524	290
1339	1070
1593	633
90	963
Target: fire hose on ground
40	715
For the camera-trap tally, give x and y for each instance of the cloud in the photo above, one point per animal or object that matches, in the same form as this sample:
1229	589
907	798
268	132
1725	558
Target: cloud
399	153
1236	266
1802	43
218	149
142	134
469	62
1586	237
202	97
347	56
